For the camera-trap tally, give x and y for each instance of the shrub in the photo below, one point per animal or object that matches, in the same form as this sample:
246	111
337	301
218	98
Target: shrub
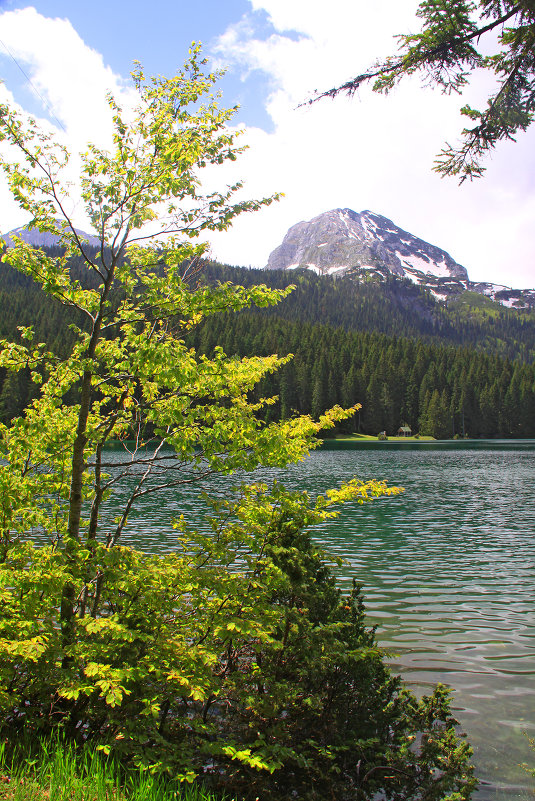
257	676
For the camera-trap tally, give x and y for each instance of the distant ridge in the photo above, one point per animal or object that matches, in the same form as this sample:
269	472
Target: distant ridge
43	240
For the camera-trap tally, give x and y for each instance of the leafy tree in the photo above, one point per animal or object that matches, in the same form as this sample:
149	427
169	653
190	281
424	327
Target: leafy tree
129	368
263	679
129	374
451	44
233	658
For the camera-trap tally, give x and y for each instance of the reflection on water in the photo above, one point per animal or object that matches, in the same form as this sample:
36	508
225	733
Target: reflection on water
448	571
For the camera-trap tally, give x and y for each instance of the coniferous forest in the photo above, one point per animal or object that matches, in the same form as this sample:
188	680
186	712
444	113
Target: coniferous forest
466	369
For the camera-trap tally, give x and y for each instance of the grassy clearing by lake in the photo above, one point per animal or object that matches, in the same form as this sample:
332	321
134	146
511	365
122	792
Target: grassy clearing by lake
57	773
372	438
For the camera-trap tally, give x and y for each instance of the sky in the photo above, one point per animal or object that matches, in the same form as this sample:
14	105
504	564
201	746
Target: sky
58	58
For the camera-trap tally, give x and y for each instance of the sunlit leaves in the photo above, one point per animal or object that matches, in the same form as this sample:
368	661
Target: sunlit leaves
234	656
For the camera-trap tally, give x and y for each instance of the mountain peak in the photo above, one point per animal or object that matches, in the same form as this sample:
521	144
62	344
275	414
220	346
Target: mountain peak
36	238
342	240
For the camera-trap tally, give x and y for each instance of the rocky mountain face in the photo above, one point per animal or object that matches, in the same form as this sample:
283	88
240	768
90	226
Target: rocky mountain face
43	240
365	244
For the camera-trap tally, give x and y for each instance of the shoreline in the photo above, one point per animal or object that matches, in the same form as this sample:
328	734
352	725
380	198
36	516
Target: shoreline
369	442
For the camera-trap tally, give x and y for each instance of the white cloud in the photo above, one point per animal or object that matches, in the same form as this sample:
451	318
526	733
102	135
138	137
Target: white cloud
72	79
369	152
372	151
67	73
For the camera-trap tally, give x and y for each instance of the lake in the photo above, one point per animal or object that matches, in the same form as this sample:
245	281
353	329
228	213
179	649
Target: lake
448	572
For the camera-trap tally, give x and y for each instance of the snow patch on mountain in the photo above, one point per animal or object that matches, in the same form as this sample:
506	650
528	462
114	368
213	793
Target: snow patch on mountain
424	265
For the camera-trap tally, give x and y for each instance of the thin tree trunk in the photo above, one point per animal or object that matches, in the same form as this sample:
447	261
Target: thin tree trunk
78	463
67	610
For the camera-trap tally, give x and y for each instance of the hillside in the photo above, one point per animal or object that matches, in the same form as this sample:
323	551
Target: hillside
462	369
394	306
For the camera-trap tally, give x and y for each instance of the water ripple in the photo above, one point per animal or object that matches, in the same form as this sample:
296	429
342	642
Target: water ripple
448	570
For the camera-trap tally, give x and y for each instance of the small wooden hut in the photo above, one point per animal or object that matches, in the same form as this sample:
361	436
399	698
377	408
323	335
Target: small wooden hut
404	431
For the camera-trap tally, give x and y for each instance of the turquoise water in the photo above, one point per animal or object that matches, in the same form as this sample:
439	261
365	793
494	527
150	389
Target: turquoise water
448	571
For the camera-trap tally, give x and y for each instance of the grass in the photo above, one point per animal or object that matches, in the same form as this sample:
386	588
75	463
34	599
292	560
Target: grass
372	438
472	304
58	773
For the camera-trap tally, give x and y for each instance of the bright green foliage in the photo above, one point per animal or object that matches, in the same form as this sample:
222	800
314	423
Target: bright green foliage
450	46
320	701
129	372
234	657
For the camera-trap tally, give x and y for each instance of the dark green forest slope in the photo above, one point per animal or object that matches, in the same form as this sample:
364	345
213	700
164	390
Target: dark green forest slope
394	306
466	370
437	389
